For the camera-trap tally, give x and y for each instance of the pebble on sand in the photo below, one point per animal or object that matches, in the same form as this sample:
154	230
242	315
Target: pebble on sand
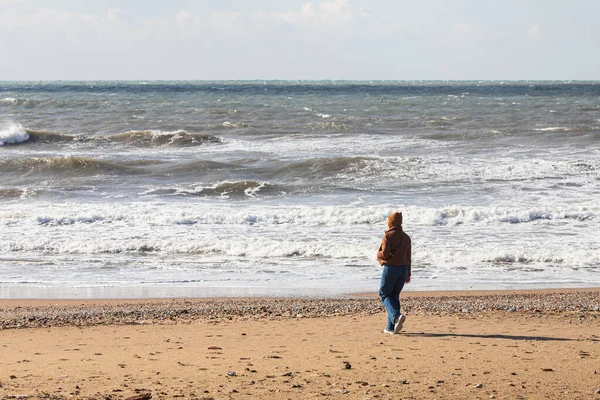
157	312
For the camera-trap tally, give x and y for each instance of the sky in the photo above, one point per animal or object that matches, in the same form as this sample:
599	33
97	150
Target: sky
290	39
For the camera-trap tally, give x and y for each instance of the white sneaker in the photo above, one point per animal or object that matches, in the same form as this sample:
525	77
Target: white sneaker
398	324
387	331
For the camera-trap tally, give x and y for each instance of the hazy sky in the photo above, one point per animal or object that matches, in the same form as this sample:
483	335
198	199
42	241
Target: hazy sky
290	39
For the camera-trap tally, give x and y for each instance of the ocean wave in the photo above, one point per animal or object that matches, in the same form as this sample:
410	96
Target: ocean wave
45	137
194	167
164	138
335	125
554	129
326	167
317	113
444	171
40	136
428	257
532	259
228	124
11	193
201	214
238	189
574	129
79	165
363	172
349	234
13	101
241	247
11	133
585	165
450	135
10	100
442	122
142	214
444	134
469	215
16	133
71	220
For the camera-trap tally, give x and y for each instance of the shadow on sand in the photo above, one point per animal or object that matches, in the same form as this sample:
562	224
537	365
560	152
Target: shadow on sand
469	335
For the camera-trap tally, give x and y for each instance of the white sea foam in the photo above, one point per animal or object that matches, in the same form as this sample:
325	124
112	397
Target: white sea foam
12	132
171	242
43	220
554	129
306	248
129	228
253	191
323	216
228	124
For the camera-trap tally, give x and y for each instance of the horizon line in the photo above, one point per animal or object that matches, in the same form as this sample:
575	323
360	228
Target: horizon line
304	80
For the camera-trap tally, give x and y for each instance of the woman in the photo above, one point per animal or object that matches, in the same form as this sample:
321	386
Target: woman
395	256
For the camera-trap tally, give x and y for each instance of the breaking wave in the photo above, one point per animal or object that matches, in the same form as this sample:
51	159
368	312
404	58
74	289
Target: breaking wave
238	189
228	124
579	128
163	138
454	215
60	164
13	101
11	193
16	133
11	133
196	167
10	100
326	167
141	214
36	136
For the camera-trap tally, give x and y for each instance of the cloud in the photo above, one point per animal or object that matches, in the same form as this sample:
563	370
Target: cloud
116	14
463	29
8	3
95	44
184	18
227	21
333	12
311	19
324	15
534	32
58	27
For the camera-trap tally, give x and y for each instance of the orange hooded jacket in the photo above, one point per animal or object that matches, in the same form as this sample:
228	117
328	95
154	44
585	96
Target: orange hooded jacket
396	245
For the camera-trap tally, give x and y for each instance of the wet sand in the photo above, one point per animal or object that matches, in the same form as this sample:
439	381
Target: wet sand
455	345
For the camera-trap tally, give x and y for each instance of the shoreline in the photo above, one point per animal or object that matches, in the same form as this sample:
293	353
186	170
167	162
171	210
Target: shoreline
41	302
52	313
482	292
7	295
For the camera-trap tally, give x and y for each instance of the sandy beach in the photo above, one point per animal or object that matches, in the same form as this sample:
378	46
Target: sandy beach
455	345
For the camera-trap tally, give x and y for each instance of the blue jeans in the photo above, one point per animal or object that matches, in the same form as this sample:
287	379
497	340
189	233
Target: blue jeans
392	282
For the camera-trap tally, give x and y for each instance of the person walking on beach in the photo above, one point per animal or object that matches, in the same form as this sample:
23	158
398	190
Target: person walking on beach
395	256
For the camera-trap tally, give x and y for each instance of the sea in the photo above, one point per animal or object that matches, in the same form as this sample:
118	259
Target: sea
158	189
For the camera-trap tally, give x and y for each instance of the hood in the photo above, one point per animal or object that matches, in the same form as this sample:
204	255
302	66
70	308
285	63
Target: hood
395	220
